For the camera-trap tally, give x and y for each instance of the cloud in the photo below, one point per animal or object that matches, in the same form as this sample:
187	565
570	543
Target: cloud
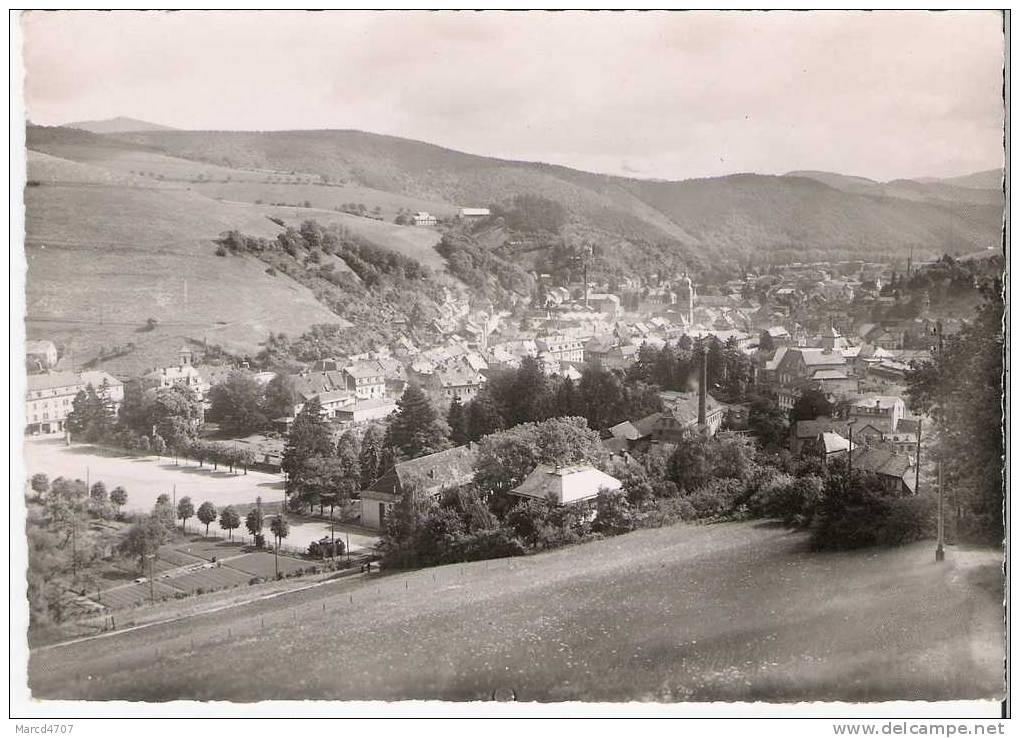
883	94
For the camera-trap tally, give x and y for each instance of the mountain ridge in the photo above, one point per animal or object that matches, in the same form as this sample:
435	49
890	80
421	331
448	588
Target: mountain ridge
734	217
118	124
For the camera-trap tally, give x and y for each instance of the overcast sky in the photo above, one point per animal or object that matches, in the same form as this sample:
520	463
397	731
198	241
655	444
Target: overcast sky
670	95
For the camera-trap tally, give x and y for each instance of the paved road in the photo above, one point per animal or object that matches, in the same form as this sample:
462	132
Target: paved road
725	612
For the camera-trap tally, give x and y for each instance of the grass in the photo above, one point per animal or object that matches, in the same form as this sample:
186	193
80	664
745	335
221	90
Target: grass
91	221
157	245
737	611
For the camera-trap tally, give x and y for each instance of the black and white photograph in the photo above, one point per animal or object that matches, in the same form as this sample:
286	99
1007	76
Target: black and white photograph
495	362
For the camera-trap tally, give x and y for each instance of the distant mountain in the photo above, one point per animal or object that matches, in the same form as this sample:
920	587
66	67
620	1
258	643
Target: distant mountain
643	224
990	179
908	189
119	124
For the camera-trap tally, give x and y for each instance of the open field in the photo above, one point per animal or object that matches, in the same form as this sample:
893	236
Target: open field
94	220
726	612
145	477
326	196
157	245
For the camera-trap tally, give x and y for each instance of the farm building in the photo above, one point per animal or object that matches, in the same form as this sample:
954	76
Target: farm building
428	475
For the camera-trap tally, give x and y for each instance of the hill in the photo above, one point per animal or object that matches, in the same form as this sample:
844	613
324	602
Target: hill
949	190
735	217
119	124
88	228
726	612
155	201
990	179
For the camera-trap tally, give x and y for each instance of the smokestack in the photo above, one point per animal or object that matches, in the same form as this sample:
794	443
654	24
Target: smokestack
703	392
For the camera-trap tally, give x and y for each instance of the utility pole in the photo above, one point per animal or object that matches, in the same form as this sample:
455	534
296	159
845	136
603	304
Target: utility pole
152	584
940	551
917	461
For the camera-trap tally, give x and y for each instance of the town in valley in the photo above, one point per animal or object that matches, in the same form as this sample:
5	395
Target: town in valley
325	414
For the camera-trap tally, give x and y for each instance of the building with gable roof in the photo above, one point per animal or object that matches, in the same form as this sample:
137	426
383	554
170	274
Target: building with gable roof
896	470
427	475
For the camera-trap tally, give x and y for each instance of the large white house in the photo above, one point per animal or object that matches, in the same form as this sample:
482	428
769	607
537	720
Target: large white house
50	398
563	485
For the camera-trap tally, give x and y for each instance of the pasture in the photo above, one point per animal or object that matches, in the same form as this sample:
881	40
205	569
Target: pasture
735	611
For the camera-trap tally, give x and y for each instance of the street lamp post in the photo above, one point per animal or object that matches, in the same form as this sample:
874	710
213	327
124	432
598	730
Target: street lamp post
940	551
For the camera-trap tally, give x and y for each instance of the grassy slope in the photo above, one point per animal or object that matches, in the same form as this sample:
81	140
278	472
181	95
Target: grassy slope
738	214
701	613
81	237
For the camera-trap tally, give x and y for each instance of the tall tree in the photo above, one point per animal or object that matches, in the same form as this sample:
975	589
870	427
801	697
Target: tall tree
371	455
230	520
309	436
456	418
483	417
962	387
810	405
602	397
568	400
281	396
143	539
206	515
92	414
118	498
185	510
279	528
98	492
415	428
175	414
531	399
237	404
255	519
767	421
348	456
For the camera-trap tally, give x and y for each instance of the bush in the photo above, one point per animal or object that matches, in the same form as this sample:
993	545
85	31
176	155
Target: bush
667	511
221	251
793	500
862	513
613	513
716	499
491	543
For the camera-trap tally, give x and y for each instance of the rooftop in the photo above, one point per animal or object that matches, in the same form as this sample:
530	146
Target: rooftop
566	484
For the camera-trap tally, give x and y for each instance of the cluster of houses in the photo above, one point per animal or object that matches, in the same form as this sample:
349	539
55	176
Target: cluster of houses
576	326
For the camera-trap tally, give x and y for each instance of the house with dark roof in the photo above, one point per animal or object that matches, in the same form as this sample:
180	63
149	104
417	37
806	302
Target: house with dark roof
896	470
803	433
427	475
682	415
